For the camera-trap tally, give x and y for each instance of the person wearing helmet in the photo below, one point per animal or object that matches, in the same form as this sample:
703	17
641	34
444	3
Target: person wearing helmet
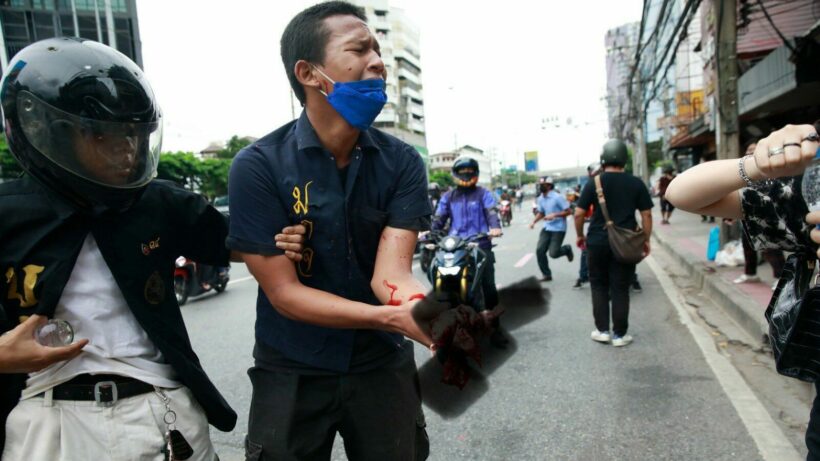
471	210
88	237
610	278
666	207
553	208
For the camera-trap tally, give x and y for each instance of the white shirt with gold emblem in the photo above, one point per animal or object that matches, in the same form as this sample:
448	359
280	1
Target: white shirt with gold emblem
94	305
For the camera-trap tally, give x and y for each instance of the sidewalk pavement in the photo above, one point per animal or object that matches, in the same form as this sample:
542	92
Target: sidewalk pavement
685	239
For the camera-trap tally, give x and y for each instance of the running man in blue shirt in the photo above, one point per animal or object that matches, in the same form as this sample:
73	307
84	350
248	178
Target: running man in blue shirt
553	208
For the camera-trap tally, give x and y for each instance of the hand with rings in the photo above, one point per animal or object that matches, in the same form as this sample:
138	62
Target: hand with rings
785	152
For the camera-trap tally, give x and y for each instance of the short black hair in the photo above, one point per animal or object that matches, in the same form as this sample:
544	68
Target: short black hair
305	37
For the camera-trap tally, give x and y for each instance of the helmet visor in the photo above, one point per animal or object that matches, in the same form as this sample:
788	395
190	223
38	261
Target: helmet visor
122	155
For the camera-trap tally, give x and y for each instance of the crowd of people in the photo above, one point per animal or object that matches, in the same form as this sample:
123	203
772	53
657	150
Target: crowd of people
89	236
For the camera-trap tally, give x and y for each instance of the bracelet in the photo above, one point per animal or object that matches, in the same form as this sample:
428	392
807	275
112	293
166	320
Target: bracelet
741	168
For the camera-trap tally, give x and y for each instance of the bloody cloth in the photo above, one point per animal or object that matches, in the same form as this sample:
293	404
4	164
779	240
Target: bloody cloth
457	333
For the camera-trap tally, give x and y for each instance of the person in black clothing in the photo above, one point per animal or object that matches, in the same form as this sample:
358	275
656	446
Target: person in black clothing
609	278
89	237
330	354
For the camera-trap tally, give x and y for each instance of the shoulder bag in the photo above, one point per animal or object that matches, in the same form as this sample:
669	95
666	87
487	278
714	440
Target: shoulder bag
626	244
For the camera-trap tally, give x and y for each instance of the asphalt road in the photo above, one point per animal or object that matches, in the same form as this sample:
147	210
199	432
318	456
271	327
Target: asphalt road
553	394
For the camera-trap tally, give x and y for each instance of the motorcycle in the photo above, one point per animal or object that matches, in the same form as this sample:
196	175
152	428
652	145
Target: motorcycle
456	270
425	251
505	211
192	279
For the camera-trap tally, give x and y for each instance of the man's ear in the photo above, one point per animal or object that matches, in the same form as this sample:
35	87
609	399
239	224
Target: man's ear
307	75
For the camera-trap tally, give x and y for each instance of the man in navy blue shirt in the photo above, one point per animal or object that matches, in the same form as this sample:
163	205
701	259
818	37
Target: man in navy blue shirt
553	208
471	210
330	353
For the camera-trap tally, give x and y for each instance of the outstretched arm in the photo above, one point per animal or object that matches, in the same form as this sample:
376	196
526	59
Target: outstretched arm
711	188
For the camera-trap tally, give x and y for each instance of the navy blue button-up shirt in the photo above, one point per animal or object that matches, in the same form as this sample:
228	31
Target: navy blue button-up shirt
288	178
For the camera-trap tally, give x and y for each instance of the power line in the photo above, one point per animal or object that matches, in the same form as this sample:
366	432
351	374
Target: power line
685	18
780	34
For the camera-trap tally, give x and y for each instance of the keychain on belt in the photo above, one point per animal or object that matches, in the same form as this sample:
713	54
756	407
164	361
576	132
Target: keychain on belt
177	448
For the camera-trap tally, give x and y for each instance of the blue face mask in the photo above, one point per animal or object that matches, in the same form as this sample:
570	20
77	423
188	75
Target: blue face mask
357	102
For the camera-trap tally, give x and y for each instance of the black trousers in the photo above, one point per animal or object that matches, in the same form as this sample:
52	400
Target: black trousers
813	431
609	281
774	257
378	414
488	281
549	242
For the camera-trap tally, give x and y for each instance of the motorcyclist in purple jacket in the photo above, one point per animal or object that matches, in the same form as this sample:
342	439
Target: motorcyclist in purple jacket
472	210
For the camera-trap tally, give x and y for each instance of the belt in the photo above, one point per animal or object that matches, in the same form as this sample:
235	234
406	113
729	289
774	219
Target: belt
104	389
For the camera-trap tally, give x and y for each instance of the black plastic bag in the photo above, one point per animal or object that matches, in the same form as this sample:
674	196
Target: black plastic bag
794	320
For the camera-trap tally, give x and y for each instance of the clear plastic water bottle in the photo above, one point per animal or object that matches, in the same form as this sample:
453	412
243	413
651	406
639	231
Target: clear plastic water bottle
811	184
54	333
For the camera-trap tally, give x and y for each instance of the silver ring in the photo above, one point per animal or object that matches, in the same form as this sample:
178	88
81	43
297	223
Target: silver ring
777	151
813	137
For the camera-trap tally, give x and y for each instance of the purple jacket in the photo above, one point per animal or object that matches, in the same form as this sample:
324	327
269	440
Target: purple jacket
471	212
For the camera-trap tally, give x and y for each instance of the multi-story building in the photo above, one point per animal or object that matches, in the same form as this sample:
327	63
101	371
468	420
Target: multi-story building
620	58
113	22
403	115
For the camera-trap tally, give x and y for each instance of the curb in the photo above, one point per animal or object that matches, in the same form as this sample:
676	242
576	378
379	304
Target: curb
741	308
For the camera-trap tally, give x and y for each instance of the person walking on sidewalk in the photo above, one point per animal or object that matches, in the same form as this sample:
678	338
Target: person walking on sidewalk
666	207
763	189
750	258
610	278
553	208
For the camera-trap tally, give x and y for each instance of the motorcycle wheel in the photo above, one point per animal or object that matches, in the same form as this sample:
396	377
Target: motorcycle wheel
181	290
426	258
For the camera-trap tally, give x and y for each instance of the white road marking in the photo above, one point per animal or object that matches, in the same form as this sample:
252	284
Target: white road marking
524	260
768	437
243	279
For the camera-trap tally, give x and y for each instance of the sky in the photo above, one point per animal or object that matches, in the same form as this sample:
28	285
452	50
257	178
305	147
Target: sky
491	72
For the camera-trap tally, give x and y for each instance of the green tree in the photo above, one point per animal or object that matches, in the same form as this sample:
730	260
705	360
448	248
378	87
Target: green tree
9	168
180	167
442	178
214	177
233	146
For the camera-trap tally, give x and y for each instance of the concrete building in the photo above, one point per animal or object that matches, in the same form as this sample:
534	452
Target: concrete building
620	58
403	115
113	22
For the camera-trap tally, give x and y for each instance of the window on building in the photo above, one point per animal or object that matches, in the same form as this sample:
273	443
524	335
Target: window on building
83	5
125	42
67	25
43	25
88	26
47	5
14	3
16	31
380	13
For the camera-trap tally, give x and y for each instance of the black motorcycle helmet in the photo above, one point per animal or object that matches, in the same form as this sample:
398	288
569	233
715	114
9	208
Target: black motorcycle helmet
82	120
465	172
614	153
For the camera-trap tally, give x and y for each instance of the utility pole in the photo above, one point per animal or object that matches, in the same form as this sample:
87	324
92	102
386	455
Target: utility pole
727	137
639	157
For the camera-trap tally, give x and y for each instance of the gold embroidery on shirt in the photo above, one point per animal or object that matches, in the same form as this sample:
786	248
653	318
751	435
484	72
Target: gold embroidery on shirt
306	264
31	272
300	207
